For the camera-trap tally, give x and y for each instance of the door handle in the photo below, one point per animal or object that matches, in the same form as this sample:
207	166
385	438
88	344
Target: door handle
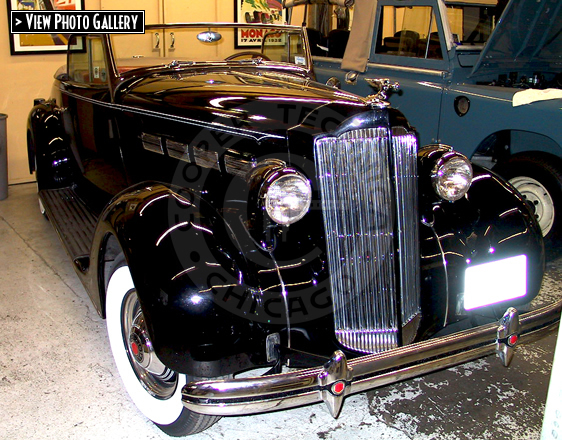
351	77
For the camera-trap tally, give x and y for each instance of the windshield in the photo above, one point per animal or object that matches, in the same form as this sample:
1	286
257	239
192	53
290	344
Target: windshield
235	44
530	30
472	23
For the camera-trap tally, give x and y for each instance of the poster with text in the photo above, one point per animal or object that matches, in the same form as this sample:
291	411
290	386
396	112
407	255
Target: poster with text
259	12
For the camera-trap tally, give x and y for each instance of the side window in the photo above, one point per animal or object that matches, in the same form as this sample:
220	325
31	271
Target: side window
328	29
286	47
472	24
88	65
408	32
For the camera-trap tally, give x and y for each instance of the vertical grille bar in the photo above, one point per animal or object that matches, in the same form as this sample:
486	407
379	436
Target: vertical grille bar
354	175
405	171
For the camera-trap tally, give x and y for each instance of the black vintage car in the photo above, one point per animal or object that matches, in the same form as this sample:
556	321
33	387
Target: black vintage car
257	240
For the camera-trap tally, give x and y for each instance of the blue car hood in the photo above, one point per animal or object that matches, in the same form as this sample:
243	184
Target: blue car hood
527	36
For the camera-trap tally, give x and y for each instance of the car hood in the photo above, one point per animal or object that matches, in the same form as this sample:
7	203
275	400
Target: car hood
263	102
527	36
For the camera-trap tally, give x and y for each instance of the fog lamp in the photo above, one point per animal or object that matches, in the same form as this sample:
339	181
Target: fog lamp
287	197
452	176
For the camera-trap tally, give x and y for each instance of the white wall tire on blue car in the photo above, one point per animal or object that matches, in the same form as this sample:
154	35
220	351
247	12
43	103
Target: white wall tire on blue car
156	394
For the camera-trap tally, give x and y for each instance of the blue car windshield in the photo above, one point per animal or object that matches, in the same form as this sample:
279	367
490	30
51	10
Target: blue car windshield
528	36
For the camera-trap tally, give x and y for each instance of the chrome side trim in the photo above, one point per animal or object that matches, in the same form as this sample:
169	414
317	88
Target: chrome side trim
431	72
152	143
289	390
178	150
252	134
206	158
238	167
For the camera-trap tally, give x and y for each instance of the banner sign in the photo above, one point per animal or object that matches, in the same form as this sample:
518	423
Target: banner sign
76	22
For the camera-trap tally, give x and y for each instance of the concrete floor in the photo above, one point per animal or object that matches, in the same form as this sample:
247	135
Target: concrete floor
58	380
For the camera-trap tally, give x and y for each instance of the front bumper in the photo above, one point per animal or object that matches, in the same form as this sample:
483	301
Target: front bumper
338	377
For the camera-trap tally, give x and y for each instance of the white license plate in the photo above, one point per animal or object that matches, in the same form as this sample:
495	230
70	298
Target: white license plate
491	283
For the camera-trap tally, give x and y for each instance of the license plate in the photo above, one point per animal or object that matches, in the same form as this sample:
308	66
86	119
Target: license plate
491	283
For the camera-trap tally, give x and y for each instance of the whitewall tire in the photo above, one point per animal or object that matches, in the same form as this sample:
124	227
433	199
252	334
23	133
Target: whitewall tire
153	388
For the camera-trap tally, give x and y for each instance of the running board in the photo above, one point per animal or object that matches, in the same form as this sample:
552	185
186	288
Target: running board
74	222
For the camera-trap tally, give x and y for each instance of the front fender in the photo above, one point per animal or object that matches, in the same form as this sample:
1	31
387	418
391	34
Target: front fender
534	126
189	278
492	222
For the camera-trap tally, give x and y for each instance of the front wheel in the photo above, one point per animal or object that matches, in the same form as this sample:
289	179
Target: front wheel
539	180
153	387
540	200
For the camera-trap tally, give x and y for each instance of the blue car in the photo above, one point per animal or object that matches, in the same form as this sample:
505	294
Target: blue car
488	86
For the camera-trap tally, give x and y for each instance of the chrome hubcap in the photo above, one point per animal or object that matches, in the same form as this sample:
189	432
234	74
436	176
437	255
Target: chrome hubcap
156	378
538	198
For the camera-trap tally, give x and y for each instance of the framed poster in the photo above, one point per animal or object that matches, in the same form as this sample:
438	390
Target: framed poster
28	44
256	11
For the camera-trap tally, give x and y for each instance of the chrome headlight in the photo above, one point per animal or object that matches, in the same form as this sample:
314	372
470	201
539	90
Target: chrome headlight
287	196
452	176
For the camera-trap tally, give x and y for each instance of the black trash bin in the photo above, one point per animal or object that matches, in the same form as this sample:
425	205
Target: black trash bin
3	157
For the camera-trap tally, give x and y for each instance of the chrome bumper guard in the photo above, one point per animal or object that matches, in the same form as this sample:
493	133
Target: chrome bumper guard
339	377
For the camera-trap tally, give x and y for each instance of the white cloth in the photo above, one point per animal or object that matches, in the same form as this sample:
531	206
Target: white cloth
532	95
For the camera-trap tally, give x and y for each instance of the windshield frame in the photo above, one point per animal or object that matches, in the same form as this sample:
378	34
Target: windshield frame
303	70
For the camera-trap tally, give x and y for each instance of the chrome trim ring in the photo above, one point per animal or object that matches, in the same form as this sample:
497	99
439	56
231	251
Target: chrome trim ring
158	380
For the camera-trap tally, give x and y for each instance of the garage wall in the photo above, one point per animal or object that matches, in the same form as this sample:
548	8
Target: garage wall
22	79
26	77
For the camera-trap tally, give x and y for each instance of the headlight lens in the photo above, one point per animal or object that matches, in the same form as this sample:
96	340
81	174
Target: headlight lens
287	198
452	176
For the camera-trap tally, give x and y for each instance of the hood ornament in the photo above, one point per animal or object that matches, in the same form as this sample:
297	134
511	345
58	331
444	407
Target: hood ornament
382	86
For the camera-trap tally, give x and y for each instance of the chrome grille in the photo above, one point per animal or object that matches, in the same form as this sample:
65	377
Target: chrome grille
363	204
404	149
